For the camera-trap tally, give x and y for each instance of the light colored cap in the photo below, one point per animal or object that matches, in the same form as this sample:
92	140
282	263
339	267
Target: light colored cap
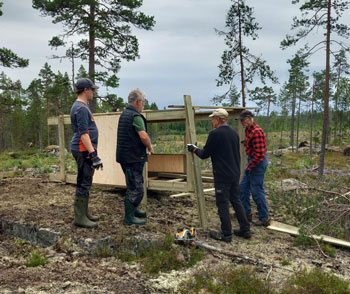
220	112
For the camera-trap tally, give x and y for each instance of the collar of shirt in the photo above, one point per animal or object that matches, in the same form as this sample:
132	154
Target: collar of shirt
251	128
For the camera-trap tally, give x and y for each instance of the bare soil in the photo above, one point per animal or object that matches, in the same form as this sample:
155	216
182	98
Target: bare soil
37	201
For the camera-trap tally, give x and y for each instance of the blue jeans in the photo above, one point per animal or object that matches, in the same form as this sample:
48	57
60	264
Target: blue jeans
254	184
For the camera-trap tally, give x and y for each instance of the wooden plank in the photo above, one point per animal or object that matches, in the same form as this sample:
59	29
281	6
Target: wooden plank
284	228
165	116
212	107
189	162
167	186
145	185
173	163
198	187
179	195
175	180
71	179
209	190
62	148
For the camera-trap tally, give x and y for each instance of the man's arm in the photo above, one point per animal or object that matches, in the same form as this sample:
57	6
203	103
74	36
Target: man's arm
85	138
145	140
208	149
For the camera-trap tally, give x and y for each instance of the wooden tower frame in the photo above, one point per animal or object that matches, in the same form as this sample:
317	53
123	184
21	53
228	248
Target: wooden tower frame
170	172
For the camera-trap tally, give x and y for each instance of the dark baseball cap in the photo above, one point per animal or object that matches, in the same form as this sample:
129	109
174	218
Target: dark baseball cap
85	83
244	114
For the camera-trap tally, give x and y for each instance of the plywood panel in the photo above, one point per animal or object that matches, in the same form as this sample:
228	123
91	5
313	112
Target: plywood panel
171	163
112	173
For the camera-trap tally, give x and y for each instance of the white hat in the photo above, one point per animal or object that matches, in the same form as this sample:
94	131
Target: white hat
220	112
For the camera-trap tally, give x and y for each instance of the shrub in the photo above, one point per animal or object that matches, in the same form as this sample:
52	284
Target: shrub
159	256
315	282
226	280
36	258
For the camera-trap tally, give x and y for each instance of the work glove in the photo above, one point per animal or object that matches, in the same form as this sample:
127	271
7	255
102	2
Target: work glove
192	147
247	172
96	161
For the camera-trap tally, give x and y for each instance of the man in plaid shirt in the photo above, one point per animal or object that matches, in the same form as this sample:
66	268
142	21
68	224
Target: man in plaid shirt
253	179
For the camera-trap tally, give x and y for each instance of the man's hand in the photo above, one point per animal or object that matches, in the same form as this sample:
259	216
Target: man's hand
192	147
150	150
96	161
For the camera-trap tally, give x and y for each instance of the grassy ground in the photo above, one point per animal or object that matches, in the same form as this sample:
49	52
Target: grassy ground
311	208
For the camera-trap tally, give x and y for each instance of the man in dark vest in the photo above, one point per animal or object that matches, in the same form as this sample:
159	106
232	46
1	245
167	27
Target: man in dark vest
132	142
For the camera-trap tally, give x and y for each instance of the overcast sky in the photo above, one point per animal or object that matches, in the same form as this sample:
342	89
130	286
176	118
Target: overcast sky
180	56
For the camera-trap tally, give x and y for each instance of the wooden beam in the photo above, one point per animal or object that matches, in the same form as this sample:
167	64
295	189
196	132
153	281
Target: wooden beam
62	148
167	186
198	187
212	107
145	185
71	179
184	194
165	116
175	180
284	228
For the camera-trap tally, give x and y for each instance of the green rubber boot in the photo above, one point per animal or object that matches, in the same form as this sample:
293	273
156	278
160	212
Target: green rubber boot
89	216
80	218
140	213
130	218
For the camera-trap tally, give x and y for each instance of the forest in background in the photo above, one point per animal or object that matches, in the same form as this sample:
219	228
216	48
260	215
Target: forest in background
316	102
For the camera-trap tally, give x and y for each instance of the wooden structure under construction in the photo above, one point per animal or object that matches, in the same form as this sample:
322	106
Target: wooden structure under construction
167	172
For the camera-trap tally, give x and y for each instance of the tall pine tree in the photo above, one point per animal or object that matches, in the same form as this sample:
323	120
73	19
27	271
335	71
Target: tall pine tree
237	60
105	29
320	14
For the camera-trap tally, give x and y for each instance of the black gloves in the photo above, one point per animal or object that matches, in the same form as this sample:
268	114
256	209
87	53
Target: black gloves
96	161
192	147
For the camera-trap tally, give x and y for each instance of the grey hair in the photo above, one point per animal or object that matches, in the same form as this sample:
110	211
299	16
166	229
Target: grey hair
136	95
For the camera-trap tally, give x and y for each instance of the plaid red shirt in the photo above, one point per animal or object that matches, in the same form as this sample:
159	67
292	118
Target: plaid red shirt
254	145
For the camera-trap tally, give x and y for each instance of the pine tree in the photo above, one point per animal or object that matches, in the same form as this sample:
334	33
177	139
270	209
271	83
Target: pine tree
106	31
324	14
241	24
10	59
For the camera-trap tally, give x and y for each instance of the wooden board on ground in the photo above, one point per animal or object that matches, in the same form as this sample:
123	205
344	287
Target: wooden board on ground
172	163
284	228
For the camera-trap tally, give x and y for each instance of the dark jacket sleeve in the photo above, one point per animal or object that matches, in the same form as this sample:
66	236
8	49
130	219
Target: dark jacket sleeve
208	149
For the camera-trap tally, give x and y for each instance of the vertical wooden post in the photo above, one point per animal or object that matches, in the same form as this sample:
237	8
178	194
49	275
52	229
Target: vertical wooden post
145	185
189	163
198	186
145	179
241	134
62	148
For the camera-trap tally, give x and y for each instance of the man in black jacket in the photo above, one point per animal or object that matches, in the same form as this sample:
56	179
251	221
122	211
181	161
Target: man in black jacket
132	142
223	147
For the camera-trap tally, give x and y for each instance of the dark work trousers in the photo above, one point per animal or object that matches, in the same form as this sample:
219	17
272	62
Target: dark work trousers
85	173
229	193
134	181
